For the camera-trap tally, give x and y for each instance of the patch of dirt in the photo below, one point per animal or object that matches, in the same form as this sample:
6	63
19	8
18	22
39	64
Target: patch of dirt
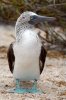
56	54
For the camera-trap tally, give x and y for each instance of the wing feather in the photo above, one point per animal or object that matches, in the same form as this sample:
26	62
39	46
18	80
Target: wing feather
11	57
42	58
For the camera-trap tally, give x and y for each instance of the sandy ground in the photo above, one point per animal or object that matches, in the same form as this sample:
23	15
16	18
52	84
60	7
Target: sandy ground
52	81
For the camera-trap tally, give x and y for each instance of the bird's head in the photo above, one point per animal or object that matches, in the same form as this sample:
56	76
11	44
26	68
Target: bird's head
30	20
33	18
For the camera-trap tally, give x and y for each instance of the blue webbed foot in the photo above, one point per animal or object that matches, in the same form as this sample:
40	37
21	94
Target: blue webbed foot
34	88
20	90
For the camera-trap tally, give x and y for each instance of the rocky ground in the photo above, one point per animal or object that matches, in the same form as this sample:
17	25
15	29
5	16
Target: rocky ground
52	81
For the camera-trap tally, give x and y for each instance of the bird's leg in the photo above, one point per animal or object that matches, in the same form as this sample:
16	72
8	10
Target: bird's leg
18	88
34	88
17	83
34	85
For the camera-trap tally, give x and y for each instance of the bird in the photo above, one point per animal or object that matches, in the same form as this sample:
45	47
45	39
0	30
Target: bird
27	55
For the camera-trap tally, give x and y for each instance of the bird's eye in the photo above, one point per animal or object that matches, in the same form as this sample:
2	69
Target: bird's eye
33	17
23	17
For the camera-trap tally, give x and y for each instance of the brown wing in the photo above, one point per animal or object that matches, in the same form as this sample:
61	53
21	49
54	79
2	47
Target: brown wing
11	57
42	58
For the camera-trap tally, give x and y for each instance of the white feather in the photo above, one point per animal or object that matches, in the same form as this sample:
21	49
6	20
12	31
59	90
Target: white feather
27	56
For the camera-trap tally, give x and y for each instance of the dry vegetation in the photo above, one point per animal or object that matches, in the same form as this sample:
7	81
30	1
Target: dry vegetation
11	9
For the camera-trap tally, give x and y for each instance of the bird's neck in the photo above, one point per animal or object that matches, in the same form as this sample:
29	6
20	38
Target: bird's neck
21	28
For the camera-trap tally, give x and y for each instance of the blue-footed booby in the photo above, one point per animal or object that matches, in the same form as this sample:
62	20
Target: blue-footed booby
26	56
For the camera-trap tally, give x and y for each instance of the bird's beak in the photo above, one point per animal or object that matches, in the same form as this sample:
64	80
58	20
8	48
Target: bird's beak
45	18
38	19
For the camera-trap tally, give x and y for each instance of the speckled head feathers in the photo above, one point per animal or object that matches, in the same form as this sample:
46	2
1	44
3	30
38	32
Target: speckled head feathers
28	20
22	21
25	17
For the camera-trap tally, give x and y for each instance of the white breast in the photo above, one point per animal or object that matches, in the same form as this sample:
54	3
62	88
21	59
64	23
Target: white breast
27	53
